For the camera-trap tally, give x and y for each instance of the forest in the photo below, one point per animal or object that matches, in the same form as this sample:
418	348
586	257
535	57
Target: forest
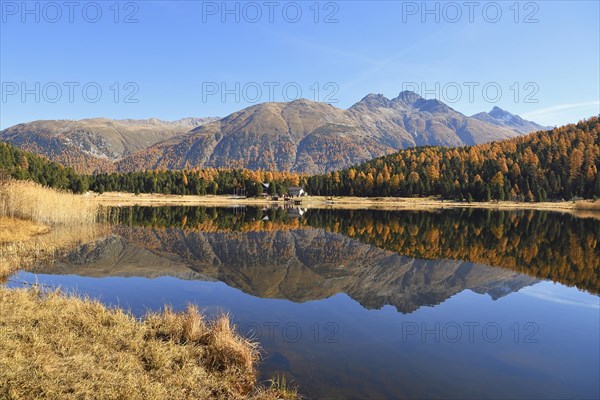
558	164
23	165
548	165
200	182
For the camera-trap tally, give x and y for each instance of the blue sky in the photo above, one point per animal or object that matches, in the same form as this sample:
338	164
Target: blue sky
192	58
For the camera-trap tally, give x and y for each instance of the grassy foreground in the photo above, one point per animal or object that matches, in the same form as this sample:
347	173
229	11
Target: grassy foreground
59	347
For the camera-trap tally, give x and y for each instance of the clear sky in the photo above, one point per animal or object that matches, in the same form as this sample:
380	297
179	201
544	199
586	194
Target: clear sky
178	59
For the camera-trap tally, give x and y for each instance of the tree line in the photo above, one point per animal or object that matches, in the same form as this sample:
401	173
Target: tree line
23	165
197	182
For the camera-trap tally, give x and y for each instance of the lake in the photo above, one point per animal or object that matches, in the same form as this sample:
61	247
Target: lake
369	304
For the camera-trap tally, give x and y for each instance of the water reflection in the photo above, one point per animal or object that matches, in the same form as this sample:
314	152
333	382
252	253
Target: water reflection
370	304
253	248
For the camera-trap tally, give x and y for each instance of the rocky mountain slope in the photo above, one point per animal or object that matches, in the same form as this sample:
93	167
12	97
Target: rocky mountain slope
300	136
305	136
95	144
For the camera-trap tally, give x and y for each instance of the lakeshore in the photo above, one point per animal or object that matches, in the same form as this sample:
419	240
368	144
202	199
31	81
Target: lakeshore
120	199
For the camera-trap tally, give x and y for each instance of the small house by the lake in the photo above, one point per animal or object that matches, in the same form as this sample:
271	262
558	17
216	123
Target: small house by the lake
296	191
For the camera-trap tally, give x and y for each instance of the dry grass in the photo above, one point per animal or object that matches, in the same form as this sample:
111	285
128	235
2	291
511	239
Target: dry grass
27	251
28	200
588	205
16	230
59	347
38	224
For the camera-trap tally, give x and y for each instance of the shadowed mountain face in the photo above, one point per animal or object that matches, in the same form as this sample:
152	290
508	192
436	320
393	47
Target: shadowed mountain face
306	136
298	265
91	145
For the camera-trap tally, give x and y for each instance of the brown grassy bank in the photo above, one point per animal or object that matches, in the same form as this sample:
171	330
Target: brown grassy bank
37	223
59	347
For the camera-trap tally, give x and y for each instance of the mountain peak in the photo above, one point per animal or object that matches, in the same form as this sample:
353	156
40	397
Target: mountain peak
375	100
433	106
301	135
497	112
408	98
301	100
503	118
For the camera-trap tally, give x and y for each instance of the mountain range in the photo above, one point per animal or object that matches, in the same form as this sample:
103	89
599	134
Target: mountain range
300	136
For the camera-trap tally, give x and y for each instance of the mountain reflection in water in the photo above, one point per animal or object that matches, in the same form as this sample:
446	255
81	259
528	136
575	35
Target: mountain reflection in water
376	257
369	304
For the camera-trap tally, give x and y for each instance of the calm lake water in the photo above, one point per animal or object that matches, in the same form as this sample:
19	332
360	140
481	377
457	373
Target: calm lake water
369	304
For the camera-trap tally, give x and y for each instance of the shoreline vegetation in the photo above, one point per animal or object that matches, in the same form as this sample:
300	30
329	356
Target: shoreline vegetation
56	346
122	199
60	346
39	224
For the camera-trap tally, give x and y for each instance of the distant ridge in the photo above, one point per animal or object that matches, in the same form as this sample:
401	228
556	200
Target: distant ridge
94	144
500	117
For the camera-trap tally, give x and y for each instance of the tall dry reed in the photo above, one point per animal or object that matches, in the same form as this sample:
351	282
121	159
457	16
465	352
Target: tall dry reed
38	224
28	200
